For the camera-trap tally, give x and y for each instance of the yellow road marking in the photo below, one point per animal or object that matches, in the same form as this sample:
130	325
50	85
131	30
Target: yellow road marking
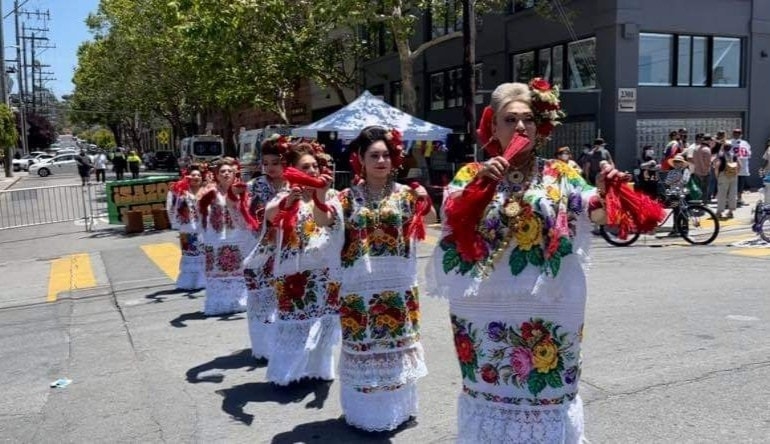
166	256
72	272
752	252
729	239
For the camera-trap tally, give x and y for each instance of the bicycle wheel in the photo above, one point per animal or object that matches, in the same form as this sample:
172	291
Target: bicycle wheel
763	228
697	224
610	234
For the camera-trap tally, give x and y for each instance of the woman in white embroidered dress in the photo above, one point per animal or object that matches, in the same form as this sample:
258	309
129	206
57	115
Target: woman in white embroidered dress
226	229
382	357
515	278
306	272
182	206
261	304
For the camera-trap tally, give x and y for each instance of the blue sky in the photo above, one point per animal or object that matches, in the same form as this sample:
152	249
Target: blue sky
67	31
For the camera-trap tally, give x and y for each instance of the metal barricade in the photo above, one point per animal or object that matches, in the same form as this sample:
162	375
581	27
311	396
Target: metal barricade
27	207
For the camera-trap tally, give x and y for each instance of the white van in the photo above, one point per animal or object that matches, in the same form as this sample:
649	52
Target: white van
249	144
202	148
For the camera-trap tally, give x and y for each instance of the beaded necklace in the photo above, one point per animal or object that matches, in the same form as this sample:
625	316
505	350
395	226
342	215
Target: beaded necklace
374	205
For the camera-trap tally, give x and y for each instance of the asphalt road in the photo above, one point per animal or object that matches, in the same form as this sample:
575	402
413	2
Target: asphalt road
675	350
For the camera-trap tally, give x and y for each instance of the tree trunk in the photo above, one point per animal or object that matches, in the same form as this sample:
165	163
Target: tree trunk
409	96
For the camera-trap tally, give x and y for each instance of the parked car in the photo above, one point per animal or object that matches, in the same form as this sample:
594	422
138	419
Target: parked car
162	160
27	160
62	164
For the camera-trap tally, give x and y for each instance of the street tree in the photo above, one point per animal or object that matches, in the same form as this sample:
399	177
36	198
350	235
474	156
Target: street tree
8	136
41	131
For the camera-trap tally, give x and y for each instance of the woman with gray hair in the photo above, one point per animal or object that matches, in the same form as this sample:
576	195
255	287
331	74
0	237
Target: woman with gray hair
511	262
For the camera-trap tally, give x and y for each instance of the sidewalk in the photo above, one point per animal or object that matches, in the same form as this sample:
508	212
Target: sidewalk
8	182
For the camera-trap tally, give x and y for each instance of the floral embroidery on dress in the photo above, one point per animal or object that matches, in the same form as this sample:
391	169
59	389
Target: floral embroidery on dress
387	315
377	231
189	244
305	295
229	258
353	318
208	250
466	342
541	240
531	355
413	307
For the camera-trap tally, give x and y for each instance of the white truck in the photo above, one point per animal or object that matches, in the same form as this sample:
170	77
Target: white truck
201	148
249	144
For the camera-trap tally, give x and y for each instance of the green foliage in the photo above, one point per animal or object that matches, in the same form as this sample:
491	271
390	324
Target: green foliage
8	132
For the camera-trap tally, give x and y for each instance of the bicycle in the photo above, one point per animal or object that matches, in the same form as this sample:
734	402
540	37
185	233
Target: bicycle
761	224
695	222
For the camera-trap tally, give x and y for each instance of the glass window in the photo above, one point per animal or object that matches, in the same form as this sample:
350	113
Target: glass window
523	67
684	64
581	59
479	98
726	62
437	94
396	95
454	88
544	63
655	59
699	61
558	65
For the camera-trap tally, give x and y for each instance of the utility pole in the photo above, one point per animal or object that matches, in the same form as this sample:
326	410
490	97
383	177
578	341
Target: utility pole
20	81
4	94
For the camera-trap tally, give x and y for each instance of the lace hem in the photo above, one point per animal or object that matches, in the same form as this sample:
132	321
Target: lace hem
261	312
371	371
303	349
486	422
379	411
192	274
373	274
224	296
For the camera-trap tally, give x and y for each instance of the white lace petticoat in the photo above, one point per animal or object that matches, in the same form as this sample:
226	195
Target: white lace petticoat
261	309
192	275
380	410
484	422
224	296
303	349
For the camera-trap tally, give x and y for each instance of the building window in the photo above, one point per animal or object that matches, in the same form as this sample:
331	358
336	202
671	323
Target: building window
544	63
437	94
479	71
700	65
523	67
446	17
558	66
684	56
396	94
726	62
581	59
655	59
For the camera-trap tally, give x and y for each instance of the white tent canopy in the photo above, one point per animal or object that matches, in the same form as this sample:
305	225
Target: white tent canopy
368	110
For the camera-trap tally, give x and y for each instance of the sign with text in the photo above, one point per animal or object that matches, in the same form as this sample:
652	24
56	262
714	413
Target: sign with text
142	195
627	100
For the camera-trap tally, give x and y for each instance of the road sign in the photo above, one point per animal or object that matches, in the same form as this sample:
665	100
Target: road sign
627	100
163	137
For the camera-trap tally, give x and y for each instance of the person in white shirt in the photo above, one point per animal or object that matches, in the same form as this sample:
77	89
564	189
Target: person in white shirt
100	165
690	150
743	150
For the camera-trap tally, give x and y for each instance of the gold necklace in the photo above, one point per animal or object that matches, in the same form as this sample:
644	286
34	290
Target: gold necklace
375	206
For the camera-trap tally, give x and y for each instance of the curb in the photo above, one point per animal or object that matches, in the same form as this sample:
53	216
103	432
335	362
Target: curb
12	183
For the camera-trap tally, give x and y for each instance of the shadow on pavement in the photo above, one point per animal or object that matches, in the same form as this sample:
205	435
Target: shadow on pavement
241	359
121	232
157	297
239	396
337	431
179	321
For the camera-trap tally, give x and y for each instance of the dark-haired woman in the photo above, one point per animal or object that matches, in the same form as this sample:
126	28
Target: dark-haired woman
226	229
261	304
306	272
182	206
382	357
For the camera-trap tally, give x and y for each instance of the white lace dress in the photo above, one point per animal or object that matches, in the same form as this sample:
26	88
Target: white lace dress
307	289
183	214
226	239
261	305
382	357
518	321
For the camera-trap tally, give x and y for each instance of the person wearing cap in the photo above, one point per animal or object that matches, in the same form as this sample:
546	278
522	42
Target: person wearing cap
598	153
564	154
743	150
701	159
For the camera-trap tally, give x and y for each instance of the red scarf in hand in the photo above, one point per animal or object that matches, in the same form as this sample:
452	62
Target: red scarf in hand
629	210
464	212
415	227
287	214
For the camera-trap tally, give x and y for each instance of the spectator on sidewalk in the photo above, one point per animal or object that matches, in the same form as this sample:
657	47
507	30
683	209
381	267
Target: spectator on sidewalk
100	164
134	161
726	168
119	163
84	166
647	182
597	154
673	147
743	149
700	159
